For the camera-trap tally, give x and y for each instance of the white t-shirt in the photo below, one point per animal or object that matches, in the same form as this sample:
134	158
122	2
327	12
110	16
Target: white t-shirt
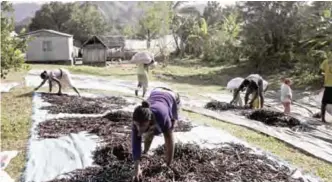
55	73
65	79
285	92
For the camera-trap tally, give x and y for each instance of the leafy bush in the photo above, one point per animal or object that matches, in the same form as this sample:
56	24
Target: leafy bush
11	47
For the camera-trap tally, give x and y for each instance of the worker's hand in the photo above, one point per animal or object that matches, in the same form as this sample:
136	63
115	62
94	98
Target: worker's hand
138	173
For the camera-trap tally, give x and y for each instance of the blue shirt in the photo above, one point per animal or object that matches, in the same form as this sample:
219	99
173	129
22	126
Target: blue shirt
164	108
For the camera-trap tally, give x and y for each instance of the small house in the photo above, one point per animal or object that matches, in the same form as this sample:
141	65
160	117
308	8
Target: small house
49	46
99	49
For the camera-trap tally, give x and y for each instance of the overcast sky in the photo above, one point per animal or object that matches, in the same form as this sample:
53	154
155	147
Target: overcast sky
191	2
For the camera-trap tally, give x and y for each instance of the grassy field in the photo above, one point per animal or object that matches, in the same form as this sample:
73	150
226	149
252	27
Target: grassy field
191	78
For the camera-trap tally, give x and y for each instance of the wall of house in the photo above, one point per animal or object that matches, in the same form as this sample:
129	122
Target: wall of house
45	46
94	53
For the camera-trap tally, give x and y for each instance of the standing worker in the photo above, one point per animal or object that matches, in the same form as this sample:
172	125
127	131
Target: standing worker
143	61
326	67
155	116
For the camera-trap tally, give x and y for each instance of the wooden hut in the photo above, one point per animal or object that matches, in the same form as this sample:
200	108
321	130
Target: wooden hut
99	49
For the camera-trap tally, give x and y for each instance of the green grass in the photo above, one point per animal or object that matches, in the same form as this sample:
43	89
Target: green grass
15	123
190	77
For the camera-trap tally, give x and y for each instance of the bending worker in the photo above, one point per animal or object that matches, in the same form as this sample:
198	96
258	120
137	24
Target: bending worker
155	116
60	76
254	85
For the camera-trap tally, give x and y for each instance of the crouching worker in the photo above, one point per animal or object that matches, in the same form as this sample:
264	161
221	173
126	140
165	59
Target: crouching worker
155	116
254	85
59	76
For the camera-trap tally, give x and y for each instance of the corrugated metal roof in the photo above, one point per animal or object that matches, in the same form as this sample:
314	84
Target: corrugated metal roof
49	31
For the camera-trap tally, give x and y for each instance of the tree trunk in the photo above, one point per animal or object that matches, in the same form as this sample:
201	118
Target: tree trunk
176	42
148	43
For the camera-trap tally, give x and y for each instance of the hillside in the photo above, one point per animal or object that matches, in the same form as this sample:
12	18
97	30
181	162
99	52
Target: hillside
116	12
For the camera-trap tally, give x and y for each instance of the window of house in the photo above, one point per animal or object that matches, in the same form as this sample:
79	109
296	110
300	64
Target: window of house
47	45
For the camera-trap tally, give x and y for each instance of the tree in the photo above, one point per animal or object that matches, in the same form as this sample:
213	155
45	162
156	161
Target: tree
188	26
268	32
315	44
213	13
223	42
318	26
155	21
80	19
128	31
55	16
11	47
86	21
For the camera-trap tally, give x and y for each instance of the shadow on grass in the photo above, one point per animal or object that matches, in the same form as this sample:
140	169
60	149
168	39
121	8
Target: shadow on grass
103	72
28	94
221	76
193	62
213	78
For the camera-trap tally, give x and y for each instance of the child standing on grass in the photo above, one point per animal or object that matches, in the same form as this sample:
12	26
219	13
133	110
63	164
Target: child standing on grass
286	95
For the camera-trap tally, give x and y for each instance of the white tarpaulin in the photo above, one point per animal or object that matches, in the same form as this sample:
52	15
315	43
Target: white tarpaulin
93	82
5	87
321	135
47	158
317	141
5	158
50	158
